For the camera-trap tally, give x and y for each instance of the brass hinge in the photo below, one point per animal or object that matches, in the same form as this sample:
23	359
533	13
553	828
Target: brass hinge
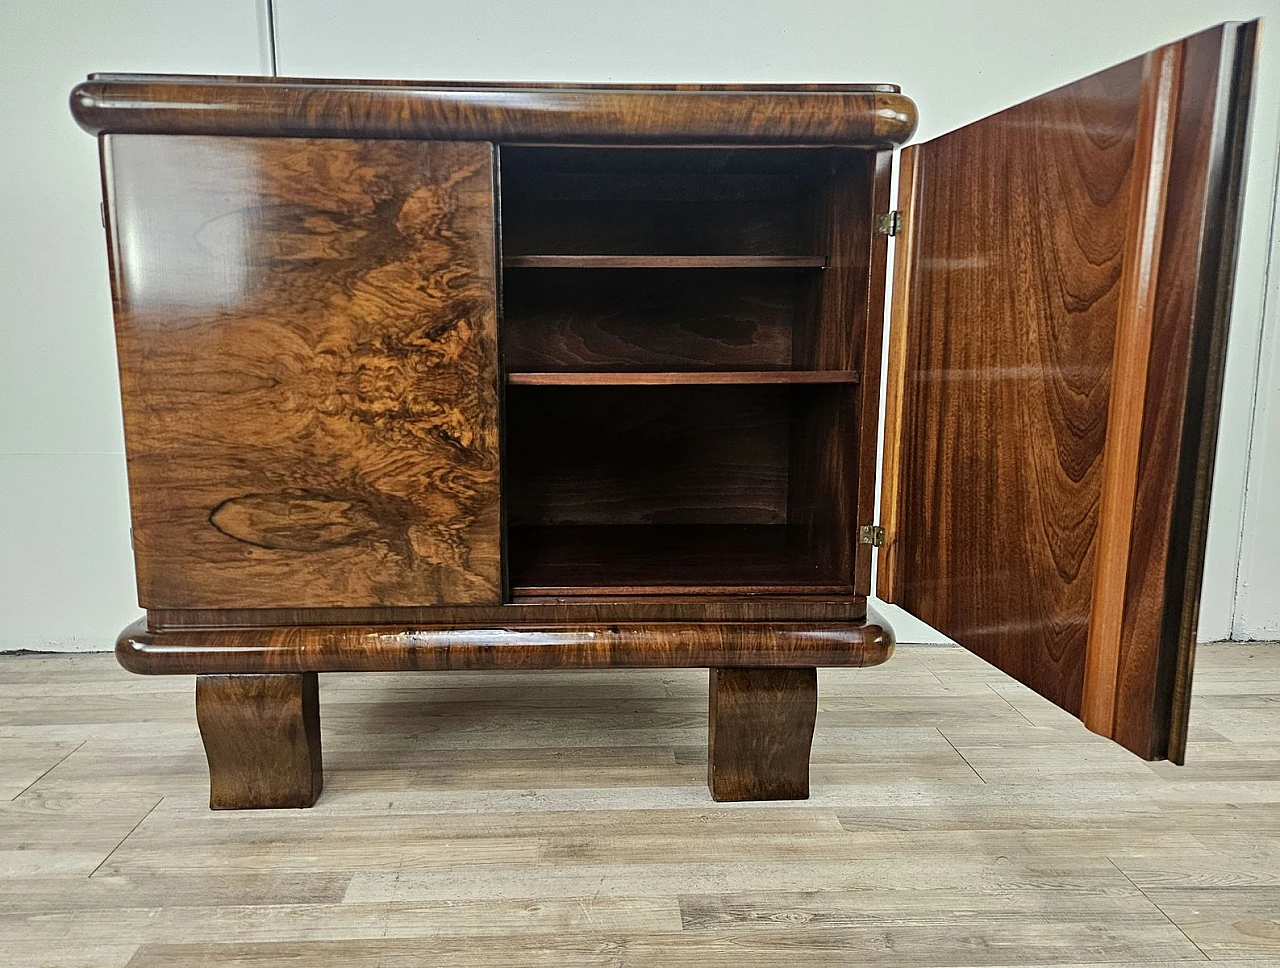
871	534
102	213
890	223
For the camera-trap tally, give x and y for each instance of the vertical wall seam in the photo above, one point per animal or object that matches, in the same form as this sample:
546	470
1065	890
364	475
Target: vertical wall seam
1233	630
269	8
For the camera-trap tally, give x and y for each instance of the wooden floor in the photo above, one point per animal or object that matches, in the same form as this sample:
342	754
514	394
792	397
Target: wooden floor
562	820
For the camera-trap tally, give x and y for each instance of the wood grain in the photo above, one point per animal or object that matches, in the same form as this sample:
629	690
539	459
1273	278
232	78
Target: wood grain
870	360
664	262
262	738
1161	82
308	356
657	320
446	85
633	233
388	648
659	202
760	727
643	114
827	437
538	610
1181	409
647	455
889	580
674	559
1007	409
682	378
1017	252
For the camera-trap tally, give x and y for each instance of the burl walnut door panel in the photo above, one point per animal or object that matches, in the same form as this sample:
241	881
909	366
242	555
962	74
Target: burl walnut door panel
1061	294
308	359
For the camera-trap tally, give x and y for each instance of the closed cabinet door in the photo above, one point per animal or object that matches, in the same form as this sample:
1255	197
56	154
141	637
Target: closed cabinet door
1061	298
306	332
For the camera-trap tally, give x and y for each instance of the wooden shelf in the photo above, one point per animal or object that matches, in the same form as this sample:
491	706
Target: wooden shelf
682	378
665	262
652	559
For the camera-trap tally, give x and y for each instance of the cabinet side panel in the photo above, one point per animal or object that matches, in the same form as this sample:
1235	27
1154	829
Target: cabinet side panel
834	443
307	341
887	579
869	388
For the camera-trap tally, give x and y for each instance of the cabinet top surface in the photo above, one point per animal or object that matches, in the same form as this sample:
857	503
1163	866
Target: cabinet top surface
533	112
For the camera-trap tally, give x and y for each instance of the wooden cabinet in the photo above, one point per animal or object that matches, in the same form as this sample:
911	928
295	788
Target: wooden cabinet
452	376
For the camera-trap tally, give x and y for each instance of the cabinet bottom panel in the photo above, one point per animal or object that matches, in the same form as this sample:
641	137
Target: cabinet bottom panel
686	559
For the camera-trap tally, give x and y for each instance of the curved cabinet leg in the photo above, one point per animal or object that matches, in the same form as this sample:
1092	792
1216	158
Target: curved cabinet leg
760	731
262	738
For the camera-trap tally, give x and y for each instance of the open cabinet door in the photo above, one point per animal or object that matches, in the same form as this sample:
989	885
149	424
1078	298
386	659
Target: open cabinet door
1061	293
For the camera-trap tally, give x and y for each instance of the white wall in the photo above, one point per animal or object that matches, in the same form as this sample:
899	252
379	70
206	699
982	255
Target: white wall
1258	601
67	576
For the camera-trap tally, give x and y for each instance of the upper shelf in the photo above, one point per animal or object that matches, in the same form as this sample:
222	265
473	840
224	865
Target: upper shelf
519	113
664	262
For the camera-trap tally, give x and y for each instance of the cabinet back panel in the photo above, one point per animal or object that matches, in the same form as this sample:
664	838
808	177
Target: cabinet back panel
673	202
627	227
600	319
647	455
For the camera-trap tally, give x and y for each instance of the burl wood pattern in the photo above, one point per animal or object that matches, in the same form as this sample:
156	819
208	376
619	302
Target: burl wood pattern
566	114
760	729
308	358
262	738
389	648
1053	249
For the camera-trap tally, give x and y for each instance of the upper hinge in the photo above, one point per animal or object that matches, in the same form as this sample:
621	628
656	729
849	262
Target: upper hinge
890	223
871	534
102	213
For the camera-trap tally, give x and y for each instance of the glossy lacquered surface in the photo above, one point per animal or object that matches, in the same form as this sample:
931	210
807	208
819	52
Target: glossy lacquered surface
185	104
388	648
308	356
1053	394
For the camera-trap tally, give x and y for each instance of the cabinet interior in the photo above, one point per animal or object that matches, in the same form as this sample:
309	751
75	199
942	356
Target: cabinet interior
681	338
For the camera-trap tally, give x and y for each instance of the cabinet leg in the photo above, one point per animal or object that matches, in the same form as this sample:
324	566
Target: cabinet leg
262	738
760	731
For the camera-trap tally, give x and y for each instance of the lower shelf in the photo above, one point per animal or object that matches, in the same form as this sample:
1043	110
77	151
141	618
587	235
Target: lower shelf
563	560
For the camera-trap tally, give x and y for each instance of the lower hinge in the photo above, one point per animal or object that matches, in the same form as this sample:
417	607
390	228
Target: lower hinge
871	534
890	223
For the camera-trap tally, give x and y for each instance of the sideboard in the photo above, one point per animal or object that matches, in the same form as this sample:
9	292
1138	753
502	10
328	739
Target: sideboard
443	376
